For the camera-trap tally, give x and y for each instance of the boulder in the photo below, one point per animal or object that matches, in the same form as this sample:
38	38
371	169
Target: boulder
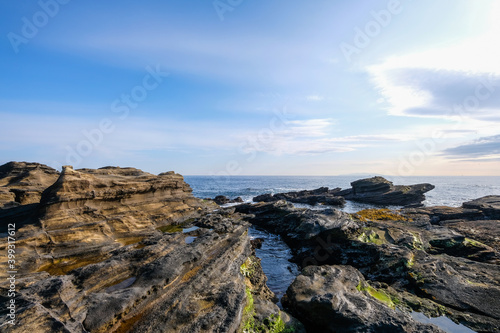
338	299
223	200
380	191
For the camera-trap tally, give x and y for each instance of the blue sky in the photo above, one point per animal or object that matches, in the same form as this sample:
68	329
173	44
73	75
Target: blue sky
257	87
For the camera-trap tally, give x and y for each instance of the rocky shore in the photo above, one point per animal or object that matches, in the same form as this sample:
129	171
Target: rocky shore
121	250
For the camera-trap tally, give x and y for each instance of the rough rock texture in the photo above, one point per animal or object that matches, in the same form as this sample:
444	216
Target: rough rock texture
223	200
121	250
166	283
22	183
296	225
331	299
87	213
322	195
448	269
380	191
489	206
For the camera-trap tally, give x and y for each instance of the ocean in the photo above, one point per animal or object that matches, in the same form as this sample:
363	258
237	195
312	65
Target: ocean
449	191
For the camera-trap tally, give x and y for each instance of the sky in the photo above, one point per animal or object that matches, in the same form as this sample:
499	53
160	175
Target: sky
261	87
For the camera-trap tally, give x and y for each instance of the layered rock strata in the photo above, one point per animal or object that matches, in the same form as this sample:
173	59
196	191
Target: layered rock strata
22	183
322	195
380	191
122	250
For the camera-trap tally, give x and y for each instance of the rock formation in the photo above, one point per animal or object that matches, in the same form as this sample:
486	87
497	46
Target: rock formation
22	183
122	250
338	299
223	200
380	191
447	267
322	195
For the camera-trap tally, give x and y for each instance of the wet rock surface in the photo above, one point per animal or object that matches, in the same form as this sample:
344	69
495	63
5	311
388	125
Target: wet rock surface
447	267
337	299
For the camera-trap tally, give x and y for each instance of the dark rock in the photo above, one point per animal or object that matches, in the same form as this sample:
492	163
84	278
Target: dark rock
484	231
221	200
398	255
321	195
257	243
296	225
489	206
436	214
380	191
459	283
332	299
264	198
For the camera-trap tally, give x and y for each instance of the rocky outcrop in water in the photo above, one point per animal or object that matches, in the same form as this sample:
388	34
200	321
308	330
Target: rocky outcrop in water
223	200
322	195
380	191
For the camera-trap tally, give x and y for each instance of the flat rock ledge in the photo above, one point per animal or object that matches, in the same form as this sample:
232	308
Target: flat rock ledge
380	191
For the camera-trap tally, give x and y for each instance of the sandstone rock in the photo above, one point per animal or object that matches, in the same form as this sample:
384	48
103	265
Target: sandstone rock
22	183
87	213
163	285
380	191
331	299
119	250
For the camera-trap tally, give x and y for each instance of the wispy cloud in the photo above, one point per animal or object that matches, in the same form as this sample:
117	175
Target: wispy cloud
315	98
459	80
485	149
317	136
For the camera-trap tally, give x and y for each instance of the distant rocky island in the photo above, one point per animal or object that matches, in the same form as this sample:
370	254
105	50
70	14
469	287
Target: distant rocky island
121	250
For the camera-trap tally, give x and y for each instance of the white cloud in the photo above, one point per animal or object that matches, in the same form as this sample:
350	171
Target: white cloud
314	136
315	98
457	81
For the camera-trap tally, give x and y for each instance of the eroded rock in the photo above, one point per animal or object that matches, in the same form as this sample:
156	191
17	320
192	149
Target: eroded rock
338	299
380	191
322	195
